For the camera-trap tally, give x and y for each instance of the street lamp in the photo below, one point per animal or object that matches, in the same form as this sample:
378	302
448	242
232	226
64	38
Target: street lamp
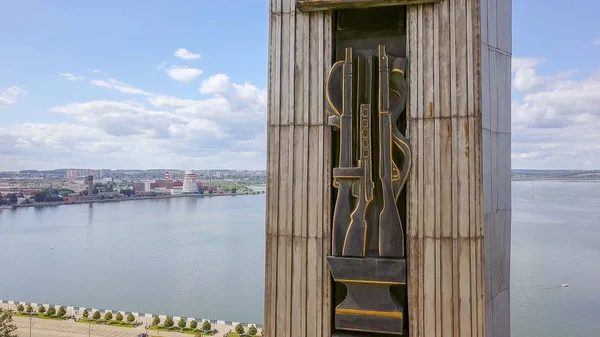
29	324
146	317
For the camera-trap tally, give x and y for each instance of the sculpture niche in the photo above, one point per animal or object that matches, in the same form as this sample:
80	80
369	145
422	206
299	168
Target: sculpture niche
367	94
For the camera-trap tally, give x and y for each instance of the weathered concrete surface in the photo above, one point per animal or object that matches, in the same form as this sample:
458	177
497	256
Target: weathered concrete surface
297	282
496	53
459	190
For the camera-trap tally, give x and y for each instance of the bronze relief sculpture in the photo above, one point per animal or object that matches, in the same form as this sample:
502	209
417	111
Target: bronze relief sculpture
367	93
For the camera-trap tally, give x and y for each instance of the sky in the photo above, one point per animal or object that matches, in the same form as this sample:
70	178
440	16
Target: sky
182	84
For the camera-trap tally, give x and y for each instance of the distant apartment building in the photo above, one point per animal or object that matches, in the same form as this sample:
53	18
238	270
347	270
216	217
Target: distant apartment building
102	173
79	173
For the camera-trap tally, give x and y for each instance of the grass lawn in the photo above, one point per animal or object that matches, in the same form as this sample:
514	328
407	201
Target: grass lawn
43	316
105	322
186	330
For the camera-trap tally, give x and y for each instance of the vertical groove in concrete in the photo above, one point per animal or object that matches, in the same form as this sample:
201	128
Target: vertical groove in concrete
297	282
445	218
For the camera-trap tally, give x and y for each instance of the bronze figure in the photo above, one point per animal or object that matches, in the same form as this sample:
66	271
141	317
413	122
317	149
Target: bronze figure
367	230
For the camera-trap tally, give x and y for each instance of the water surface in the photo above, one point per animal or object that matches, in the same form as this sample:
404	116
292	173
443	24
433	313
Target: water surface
204	257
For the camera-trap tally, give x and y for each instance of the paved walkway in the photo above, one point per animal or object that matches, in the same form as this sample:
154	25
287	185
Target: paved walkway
69	328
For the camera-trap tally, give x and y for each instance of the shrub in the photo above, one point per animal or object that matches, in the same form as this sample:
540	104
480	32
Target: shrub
61	312
156	320
29	309
7	327
193	324
41	309
168	322
108	316
96	315
51	311
182	323
206	326
130	318
252	330
119	317
239	329
86	313
20	308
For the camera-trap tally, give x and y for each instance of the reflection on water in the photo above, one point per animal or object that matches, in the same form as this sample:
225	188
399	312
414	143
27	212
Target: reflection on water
199	257
204	257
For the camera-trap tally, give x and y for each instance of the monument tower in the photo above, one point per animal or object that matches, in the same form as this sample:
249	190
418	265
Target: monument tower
388	197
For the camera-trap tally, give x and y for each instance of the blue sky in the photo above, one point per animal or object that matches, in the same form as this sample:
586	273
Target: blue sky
98	84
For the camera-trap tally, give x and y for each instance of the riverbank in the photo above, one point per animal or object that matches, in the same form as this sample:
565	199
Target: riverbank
93	201
72	327
69	328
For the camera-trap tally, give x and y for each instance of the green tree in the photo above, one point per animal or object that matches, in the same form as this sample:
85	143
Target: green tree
182	323
130	318
20	308
252	330
29	309
206	325
42	309
51	311
168	322
96	315
119	317
108	316
156	321
193	324
61	312
7	327
239	329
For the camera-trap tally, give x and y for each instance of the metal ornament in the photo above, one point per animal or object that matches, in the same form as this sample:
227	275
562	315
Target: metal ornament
367	94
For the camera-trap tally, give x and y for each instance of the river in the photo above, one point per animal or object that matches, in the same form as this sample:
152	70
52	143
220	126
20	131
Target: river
204	257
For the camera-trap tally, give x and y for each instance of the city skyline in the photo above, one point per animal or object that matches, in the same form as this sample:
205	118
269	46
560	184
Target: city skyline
175	84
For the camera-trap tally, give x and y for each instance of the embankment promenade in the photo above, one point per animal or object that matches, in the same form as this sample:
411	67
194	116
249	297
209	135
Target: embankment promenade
71	328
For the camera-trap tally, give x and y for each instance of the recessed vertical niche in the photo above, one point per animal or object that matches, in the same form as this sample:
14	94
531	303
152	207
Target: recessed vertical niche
364	30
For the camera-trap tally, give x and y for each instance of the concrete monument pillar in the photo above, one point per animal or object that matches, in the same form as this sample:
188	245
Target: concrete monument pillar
388	201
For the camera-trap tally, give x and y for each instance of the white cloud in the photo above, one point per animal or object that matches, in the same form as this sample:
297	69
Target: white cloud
556	120
72	77
119	86
596	41
185	54
95	71
183	74
225	129
11	95
216	84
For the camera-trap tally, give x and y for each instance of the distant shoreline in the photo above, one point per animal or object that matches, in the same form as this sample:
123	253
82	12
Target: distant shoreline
59	203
